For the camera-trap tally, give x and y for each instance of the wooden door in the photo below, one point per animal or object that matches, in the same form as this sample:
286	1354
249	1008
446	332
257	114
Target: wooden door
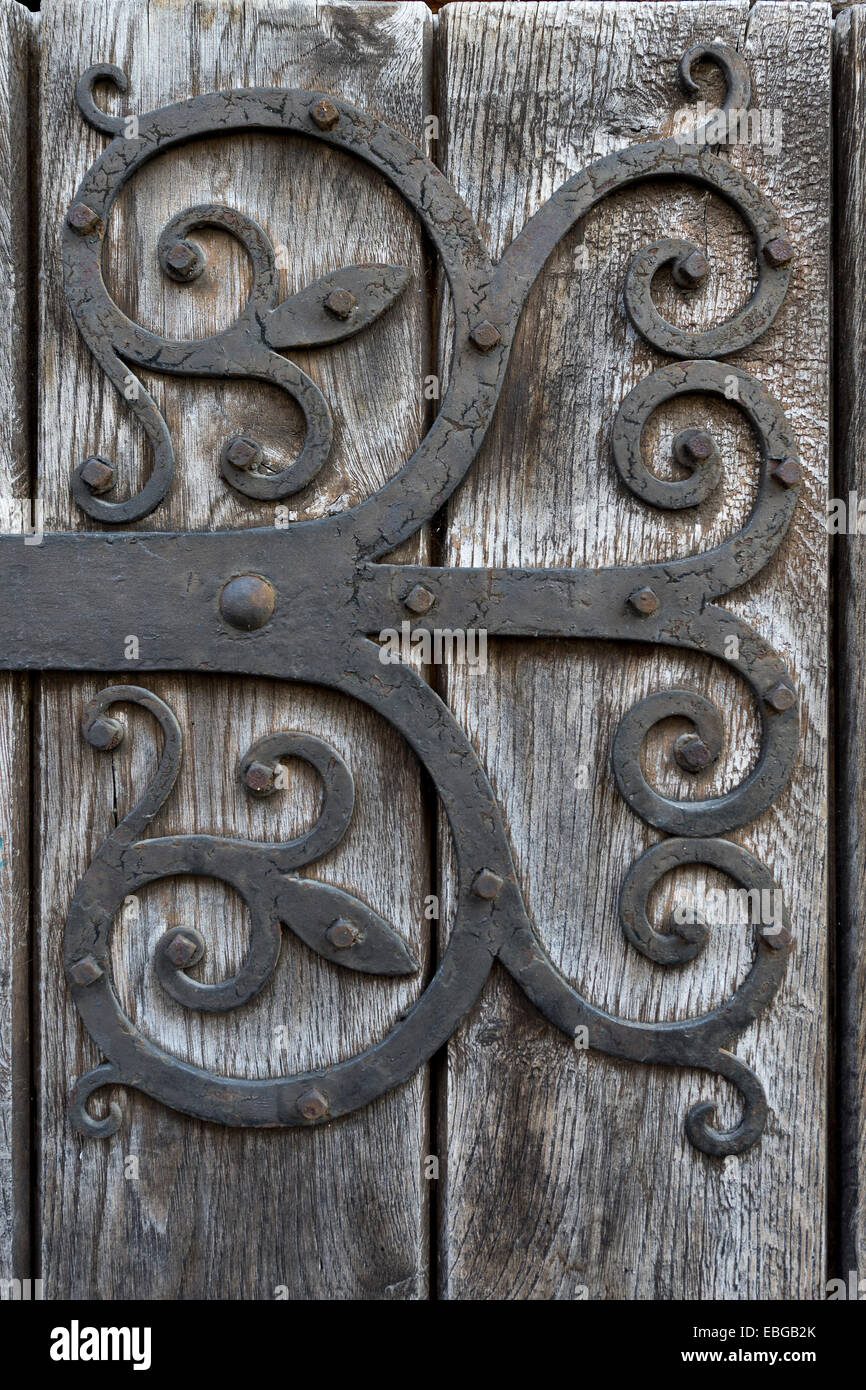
514	1162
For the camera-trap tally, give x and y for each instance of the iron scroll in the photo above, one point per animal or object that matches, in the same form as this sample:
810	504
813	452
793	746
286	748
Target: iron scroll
299	605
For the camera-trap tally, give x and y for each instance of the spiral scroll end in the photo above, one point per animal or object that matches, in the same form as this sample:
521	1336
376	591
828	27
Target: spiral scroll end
93	114
736	73
85	1123
720	1143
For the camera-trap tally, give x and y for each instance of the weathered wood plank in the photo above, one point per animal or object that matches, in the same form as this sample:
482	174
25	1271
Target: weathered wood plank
17	31
850	77
568	1175
340	1212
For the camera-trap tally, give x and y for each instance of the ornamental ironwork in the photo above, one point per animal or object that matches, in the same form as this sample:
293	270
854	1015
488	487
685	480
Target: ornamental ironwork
300	605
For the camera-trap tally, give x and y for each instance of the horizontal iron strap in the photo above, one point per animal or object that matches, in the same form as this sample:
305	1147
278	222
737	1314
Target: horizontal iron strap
74	600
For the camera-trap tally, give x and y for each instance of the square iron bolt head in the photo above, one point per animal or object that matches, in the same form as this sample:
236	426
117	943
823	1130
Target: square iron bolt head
645	602
487	884
788	472
485	336
82	219
182	950
692	753
419	599
242	452
183	260
86	971
260	777
97	474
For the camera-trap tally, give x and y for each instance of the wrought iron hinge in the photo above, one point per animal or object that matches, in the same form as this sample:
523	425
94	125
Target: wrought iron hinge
299	605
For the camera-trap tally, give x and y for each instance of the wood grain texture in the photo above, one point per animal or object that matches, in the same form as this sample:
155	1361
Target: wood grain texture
17	28
340	1212
850	300
568	1174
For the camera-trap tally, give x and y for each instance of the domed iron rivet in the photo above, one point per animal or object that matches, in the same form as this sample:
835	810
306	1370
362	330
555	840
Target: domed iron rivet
247	602
780	698
342	934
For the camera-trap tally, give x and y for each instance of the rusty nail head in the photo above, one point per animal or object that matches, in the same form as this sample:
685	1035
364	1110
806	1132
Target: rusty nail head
247	601
313	1105
86	971
325	114
788	472
778	252
419	599
340	303
487	884
259	777
698	446
692	753
342	933
692	271
243	452
781	697
82	219
776	936
97	474
644	601
485	336
182	950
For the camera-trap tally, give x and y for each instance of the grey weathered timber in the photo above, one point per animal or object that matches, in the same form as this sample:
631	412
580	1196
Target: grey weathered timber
848	544
566	1174
16	34
202	1212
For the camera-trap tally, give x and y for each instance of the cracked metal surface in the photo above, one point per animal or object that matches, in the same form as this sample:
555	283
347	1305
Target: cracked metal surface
301	604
